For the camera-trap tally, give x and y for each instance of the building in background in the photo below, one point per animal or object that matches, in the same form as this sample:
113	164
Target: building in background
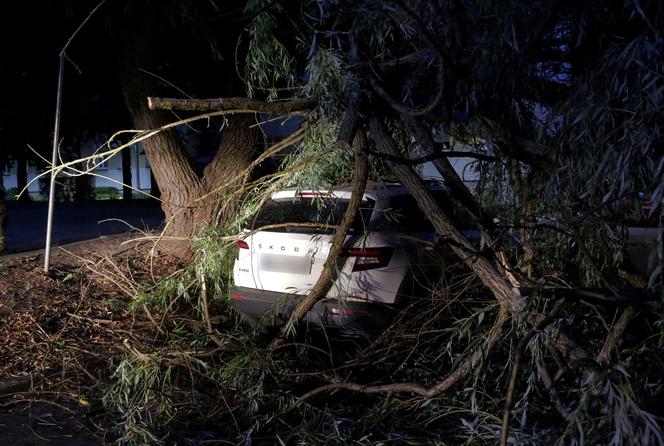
108	175
105	183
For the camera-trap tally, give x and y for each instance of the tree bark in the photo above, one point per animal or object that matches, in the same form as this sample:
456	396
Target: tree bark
326	277
207	105
490	277
126	174
229	169
178	183
457	188
189	200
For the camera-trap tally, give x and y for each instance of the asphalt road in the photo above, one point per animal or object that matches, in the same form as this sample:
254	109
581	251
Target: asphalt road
26	222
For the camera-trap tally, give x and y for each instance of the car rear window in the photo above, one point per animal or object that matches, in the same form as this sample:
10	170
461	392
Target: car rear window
316	210
405	215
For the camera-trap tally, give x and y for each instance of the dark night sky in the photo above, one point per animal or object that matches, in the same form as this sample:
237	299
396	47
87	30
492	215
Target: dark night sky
34	33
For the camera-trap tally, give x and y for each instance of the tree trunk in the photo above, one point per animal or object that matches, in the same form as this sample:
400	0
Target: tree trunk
190	201
22	176
490	277
206	105
172	171
126	174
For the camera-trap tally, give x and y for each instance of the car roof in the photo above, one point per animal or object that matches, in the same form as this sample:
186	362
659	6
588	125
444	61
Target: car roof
372	192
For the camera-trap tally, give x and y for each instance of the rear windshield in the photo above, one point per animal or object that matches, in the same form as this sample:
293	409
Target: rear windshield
315	210
405	215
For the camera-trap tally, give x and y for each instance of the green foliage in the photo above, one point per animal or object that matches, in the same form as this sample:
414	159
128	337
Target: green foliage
215	255
324	164
268	65
609	413
141	394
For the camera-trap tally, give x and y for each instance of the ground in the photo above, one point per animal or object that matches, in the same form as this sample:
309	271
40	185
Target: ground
60	335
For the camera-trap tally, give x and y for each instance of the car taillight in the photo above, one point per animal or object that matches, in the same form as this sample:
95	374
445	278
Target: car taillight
368	258
241	244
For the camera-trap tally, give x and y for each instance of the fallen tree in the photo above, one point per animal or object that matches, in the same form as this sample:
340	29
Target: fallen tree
556	173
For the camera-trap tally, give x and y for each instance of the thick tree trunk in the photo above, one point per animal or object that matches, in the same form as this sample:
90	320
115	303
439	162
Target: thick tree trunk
190	201
172	171
126	174
486	272
22	176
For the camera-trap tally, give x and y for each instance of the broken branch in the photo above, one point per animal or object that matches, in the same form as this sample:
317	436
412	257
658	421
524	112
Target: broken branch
206	105
325	279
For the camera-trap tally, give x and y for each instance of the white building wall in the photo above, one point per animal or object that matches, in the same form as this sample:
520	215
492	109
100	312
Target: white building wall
10	181
107	175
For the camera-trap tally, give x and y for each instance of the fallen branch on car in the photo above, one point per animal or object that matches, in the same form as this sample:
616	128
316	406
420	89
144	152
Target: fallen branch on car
457	187
503	291
487	273
347	134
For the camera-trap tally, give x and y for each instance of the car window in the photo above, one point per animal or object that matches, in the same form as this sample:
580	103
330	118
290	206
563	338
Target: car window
405	215
325	211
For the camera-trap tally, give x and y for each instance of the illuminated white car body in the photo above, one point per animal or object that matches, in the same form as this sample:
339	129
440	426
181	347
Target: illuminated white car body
278	265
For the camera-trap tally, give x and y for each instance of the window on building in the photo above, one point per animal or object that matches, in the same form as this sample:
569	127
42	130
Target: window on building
102	166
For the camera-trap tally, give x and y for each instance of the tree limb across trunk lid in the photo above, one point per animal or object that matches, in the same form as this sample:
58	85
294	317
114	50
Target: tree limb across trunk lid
347	133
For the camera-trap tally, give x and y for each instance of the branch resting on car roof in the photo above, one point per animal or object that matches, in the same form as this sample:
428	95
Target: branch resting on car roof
439	153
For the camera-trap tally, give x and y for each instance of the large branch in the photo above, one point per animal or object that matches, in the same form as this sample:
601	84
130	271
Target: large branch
441	152
457	187
427	392
237	147
461	247
326	277
206	105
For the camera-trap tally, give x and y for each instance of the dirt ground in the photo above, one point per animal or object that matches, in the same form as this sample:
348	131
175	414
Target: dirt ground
61	334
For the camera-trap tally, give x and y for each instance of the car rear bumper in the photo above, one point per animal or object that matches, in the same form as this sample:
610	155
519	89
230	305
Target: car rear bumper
273	308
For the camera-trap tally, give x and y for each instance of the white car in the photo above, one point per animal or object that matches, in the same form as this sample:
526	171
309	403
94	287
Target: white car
381	258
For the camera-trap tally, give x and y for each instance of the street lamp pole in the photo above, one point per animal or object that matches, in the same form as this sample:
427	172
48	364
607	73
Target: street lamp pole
54	161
